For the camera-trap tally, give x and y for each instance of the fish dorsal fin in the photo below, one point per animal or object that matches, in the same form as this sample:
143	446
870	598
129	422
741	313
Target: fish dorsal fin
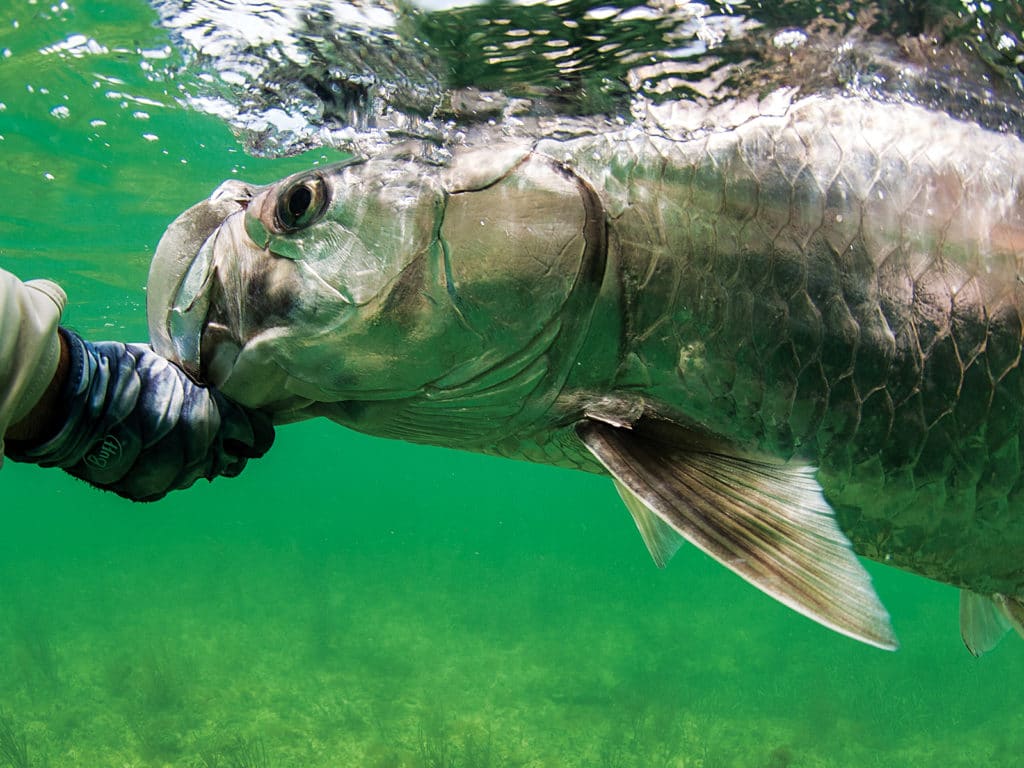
662	539
764	520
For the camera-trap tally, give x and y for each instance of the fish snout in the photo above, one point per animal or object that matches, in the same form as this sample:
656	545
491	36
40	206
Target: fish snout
179	275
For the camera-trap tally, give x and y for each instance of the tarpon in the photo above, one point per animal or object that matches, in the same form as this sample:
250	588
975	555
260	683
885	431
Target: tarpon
780	338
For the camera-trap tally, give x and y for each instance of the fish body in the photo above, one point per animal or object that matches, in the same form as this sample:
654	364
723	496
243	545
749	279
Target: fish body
779	338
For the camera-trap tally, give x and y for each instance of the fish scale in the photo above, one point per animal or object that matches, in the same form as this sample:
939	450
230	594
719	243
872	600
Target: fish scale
807	317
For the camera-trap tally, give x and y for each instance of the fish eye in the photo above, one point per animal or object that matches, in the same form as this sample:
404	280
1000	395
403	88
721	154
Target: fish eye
300	204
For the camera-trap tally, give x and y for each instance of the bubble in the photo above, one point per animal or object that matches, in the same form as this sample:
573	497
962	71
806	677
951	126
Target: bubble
789	38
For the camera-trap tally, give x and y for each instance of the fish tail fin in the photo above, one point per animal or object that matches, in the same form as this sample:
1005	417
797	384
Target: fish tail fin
985	619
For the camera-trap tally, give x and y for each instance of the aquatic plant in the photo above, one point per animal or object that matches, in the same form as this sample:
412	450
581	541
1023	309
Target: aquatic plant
161	680
35	650
478	750
157	735
13	746
435	749
241	753
780	757
249	753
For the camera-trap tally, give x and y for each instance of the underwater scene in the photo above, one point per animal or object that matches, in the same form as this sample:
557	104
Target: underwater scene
356	601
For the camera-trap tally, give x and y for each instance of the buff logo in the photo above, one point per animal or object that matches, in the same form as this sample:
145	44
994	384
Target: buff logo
104	453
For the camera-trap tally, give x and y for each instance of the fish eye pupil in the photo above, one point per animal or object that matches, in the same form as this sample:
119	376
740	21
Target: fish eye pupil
299	201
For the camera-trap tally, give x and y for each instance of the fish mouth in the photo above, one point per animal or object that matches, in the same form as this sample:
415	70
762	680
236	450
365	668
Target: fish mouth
182	274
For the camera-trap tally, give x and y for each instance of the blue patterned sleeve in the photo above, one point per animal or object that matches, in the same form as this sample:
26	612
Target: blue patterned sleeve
138	426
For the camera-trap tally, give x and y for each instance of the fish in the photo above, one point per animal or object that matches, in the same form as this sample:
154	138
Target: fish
792	339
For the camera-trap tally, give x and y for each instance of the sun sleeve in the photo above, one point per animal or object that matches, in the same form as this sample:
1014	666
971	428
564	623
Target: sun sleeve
29	345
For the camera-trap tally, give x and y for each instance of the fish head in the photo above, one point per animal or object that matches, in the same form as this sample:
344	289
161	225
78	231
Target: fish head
377	280
248	286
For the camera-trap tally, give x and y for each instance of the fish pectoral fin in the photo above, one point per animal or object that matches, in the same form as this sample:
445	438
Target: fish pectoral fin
984	620
662	539
766	521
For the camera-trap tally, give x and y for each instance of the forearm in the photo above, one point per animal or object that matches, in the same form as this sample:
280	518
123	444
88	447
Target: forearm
44	419
30	351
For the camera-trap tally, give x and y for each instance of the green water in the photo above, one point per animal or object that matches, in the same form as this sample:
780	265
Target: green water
356	602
